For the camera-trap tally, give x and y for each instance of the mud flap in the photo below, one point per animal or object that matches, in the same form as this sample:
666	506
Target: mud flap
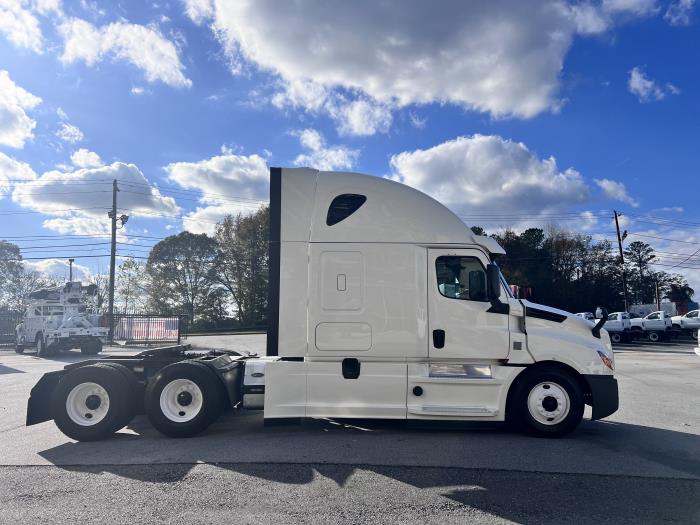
39	404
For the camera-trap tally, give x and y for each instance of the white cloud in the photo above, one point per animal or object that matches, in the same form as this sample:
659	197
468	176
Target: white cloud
46	7
616	191
199	10
362	117
61	113
678	12
19	25
58	268
230	184
647	89
84	158
502	58
69	133
322	157
144	47
634	7
13	170
139	90
15	125
486	174
588	220
417	121
87	193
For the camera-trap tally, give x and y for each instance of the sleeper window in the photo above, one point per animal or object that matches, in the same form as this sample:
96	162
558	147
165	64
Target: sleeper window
343	206
461	277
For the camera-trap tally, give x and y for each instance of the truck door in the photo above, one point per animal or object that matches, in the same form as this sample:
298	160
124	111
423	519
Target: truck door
463	323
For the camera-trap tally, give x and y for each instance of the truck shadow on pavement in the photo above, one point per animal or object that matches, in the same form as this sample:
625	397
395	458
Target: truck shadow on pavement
604	473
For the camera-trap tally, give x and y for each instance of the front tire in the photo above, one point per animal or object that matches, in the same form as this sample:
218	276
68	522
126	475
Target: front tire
91	402
19	349
545	402
616	337
654	337
183	399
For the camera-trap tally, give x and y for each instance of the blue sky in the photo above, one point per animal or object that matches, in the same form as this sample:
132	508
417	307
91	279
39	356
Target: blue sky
511	113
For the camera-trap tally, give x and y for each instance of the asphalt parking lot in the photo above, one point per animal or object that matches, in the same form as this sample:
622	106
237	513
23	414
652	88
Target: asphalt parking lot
640	465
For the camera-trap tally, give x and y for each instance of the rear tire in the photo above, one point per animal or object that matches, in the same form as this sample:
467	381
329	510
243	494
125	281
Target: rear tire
19	349
91	402
133	391
545	402
183	399
92	347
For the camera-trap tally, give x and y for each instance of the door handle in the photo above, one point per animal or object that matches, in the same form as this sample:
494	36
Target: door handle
438	338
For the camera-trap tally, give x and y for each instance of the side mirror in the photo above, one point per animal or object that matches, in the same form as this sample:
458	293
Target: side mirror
477	285
493	279
602	316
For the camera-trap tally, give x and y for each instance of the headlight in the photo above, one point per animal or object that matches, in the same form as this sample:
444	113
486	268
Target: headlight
606	360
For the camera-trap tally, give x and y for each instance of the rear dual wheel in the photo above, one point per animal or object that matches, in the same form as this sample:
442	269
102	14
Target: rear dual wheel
184	398
94	401
91	347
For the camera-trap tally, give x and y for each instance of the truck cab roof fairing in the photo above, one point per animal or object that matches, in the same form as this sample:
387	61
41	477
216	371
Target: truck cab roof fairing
393	212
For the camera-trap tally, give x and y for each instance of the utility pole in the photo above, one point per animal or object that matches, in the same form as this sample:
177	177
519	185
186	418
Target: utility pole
658	296
622	260
70	270
112	260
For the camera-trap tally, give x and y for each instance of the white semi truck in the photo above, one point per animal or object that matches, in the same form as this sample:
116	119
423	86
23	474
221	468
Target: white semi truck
382	304
56	320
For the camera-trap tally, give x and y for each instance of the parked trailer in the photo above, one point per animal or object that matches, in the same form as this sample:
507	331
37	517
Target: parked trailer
382	304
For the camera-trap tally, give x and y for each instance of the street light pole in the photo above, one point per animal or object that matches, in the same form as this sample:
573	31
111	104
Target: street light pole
112	260
622	260
70	270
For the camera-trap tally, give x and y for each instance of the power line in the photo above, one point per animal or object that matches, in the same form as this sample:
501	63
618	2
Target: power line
662	238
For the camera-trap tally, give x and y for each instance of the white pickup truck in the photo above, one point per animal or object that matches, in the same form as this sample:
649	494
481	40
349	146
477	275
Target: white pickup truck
619	325
656	325
688	322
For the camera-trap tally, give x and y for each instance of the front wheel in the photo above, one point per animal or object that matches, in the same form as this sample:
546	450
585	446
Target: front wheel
654	337
183	399
545	402
19	348
616	337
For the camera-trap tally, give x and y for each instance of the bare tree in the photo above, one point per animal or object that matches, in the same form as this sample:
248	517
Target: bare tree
132	284
242	263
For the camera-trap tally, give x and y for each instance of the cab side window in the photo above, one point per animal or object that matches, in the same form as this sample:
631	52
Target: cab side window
612	317
692	315
461	277
653	316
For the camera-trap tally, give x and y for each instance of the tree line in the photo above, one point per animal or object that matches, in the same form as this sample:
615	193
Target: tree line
222	279
212	280
573	272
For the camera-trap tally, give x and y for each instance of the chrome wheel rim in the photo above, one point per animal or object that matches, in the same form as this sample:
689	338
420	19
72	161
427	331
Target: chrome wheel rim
87	404
548	403
181	400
